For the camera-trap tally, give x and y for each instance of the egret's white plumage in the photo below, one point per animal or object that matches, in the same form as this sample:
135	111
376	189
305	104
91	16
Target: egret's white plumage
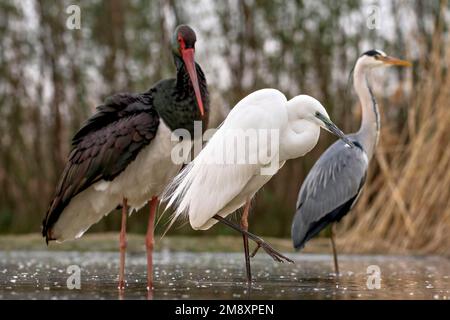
207	187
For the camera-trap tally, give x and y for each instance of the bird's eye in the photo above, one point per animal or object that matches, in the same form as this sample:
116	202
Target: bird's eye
181	42
317	113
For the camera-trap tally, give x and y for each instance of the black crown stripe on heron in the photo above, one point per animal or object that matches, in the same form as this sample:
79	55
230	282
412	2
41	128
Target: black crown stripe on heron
121	155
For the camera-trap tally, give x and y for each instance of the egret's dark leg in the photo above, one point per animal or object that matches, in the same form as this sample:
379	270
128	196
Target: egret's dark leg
149	241
277	256
123	244
333	245
244	226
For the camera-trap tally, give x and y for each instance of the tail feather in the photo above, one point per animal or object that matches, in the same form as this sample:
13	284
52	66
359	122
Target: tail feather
174	194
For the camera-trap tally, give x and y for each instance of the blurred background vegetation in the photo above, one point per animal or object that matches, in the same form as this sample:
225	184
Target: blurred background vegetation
51	79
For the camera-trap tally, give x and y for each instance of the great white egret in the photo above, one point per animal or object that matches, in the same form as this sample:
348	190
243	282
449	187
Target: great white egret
211	186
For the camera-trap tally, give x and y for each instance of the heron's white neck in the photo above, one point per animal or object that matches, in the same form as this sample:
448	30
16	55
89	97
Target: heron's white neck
370	126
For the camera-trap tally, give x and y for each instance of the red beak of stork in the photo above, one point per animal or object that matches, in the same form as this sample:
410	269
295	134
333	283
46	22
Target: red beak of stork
188	57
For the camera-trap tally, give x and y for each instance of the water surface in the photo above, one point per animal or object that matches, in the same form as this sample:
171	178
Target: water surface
184	275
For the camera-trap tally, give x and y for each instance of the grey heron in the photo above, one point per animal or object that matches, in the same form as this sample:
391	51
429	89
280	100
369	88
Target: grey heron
333	185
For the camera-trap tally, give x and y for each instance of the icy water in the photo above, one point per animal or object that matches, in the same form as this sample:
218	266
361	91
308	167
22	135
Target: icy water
43	275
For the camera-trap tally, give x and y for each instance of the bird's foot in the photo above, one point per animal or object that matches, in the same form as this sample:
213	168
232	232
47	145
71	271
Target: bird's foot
277	256
255	251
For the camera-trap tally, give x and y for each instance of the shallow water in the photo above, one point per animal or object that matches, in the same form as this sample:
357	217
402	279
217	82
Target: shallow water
43	275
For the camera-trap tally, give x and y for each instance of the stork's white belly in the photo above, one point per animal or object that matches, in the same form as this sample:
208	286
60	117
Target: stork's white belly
248	192
149	173
144	178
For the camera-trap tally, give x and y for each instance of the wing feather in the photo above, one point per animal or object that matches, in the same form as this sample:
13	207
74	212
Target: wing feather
103	148
329	190
209	183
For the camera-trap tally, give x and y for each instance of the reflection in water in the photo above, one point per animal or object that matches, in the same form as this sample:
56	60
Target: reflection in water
43	275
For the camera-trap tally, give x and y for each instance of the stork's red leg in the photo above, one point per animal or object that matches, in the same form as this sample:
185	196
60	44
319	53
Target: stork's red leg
149	241
123	244
244	226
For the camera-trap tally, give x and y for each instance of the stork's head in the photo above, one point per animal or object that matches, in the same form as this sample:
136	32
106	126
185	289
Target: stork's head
377	58
183	38
308	108
183	46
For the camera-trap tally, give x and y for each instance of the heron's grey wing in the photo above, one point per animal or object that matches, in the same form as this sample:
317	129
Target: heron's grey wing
329	191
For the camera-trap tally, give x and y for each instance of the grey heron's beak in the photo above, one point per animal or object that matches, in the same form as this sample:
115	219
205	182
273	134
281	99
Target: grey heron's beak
332	128
395	61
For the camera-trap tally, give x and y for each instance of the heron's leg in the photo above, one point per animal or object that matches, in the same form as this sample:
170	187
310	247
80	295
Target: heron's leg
333	245
149	241
244	226
123	244
277	256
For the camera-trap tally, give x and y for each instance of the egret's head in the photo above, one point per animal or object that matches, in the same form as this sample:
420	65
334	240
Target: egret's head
377	58
310	109
183	46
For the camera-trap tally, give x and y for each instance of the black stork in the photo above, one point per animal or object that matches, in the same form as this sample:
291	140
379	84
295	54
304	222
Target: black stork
121	156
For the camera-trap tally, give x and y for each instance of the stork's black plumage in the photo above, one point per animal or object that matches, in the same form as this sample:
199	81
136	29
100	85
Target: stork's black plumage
127	122
103	147
107	147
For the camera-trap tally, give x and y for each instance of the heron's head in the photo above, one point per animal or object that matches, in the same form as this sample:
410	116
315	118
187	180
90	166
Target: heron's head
377	58
183	46
310	109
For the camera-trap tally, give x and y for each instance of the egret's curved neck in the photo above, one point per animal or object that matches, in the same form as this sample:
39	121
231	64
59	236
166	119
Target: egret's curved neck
370	126
299	137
